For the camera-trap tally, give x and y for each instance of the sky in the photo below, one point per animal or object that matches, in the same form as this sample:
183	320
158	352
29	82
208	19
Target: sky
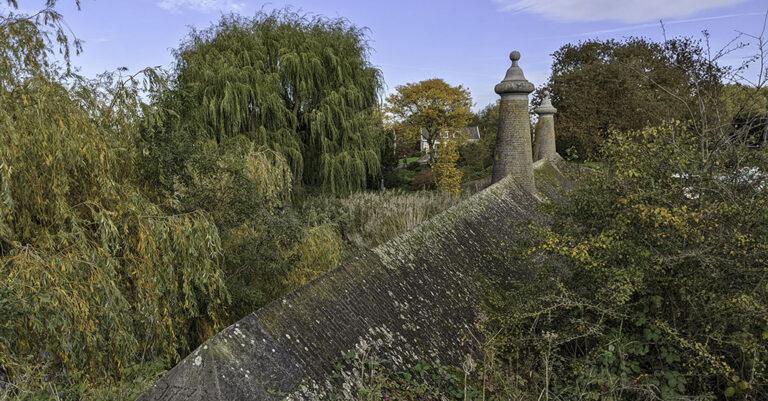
465	42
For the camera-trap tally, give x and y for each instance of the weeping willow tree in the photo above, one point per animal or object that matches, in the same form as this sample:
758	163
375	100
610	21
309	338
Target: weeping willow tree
94	278
301	86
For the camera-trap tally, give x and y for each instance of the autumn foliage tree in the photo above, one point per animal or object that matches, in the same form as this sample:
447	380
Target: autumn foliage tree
447	175
432	105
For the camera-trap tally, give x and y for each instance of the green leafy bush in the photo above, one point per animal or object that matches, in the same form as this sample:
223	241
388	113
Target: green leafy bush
399	178
269	246
657	286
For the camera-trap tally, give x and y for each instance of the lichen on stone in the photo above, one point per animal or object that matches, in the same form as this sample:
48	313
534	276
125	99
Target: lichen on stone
415	298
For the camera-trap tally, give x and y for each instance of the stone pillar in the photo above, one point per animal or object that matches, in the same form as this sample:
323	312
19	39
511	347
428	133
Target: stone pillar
544	140
513	140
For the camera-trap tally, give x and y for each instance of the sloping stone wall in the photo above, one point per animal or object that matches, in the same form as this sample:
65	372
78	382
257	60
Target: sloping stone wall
421	292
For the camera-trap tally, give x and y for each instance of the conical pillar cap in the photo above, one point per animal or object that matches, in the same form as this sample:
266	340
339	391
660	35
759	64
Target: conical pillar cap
546	106
514	82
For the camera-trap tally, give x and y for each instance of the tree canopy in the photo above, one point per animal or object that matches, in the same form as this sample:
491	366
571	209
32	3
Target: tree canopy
301	86
602	86
94	277
432	105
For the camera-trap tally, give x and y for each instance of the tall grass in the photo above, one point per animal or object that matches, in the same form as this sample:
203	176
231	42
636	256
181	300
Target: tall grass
377	217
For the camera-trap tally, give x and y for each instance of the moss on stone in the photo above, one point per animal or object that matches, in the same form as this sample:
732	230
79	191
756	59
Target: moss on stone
422	290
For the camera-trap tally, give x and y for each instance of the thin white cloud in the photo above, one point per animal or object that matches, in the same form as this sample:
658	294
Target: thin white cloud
657	25
203	6
629	11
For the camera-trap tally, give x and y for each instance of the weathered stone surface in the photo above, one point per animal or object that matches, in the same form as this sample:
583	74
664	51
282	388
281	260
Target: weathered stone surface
421	292
544	138
513	155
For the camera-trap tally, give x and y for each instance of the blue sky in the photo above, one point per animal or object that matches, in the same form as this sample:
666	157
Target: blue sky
462	41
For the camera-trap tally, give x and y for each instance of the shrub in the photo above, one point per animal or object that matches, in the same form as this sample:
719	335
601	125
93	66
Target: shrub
399	178
414	166
423	180
664	292
319	251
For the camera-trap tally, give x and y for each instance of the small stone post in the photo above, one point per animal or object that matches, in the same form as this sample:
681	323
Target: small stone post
544	140
513	140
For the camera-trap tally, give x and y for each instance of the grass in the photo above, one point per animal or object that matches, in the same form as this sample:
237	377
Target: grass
377	217
410	159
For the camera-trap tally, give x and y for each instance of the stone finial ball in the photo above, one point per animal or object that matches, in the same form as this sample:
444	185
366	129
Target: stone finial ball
514	56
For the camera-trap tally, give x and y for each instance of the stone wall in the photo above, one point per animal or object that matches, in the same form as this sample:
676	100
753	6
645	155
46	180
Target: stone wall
419	293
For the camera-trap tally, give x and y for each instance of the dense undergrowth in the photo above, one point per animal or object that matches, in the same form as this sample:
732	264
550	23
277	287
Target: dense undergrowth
141	213
117	254
651	283
96	277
